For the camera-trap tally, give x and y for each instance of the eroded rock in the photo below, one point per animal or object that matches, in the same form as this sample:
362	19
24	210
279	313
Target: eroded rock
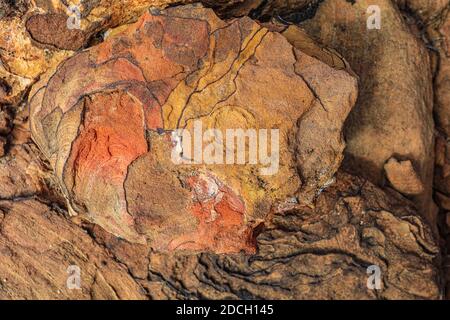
36	36
184	68
119	173
320	253
403	177
304	253
37	249
393	115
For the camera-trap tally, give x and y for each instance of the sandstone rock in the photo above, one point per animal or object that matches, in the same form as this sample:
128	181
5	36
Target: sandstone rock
442	81
304	233
2	146
426	10
320	253
442	200
184	68
442	174
440	35
37	247
42	37
393	116
5	122
304	253
22	61
51	29
403	177
261	9
21	173
442	99
35	36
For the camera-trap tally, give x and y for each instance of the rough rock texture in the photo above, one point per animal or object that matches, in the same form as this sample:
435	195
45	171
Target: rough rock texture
304	233
426	10
304	253
37	246
393	116
264	9
115	172
439	33
34	36
319	253
403	177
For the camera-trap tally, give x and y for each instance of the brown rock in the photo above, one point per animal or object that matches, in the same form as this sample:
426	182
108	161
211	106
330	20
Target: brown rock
37	247
52	29
442	201
442	172
10	8
21	173
393	116
22	61
42	40
403	177
34	36
320	253
2	146
180	69
5	122
447	220
259	8
426	10
354	225
147	228
442	81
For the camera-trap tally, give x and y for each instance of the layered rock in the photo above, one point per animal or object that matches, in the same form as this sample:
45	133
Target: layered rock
440	35
38	247
304	253
181	69
35	36
393	116
426	10
139	225
320	253
263	9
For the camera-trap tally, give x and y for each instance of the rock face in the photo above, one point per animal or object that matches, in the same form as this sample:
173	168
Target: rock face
442	110
393	116
440	34
262	9
403	177
35	36
426	10
103	106
354	225
37	249
184	68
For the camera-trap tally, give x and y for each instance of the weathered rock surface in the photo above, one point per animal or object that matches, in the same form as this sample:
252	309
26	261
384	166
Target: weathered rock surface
403	177
426	10
393	115
37	248
263	9
36	36
303	253
439	33
245	235
163	73
319	253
